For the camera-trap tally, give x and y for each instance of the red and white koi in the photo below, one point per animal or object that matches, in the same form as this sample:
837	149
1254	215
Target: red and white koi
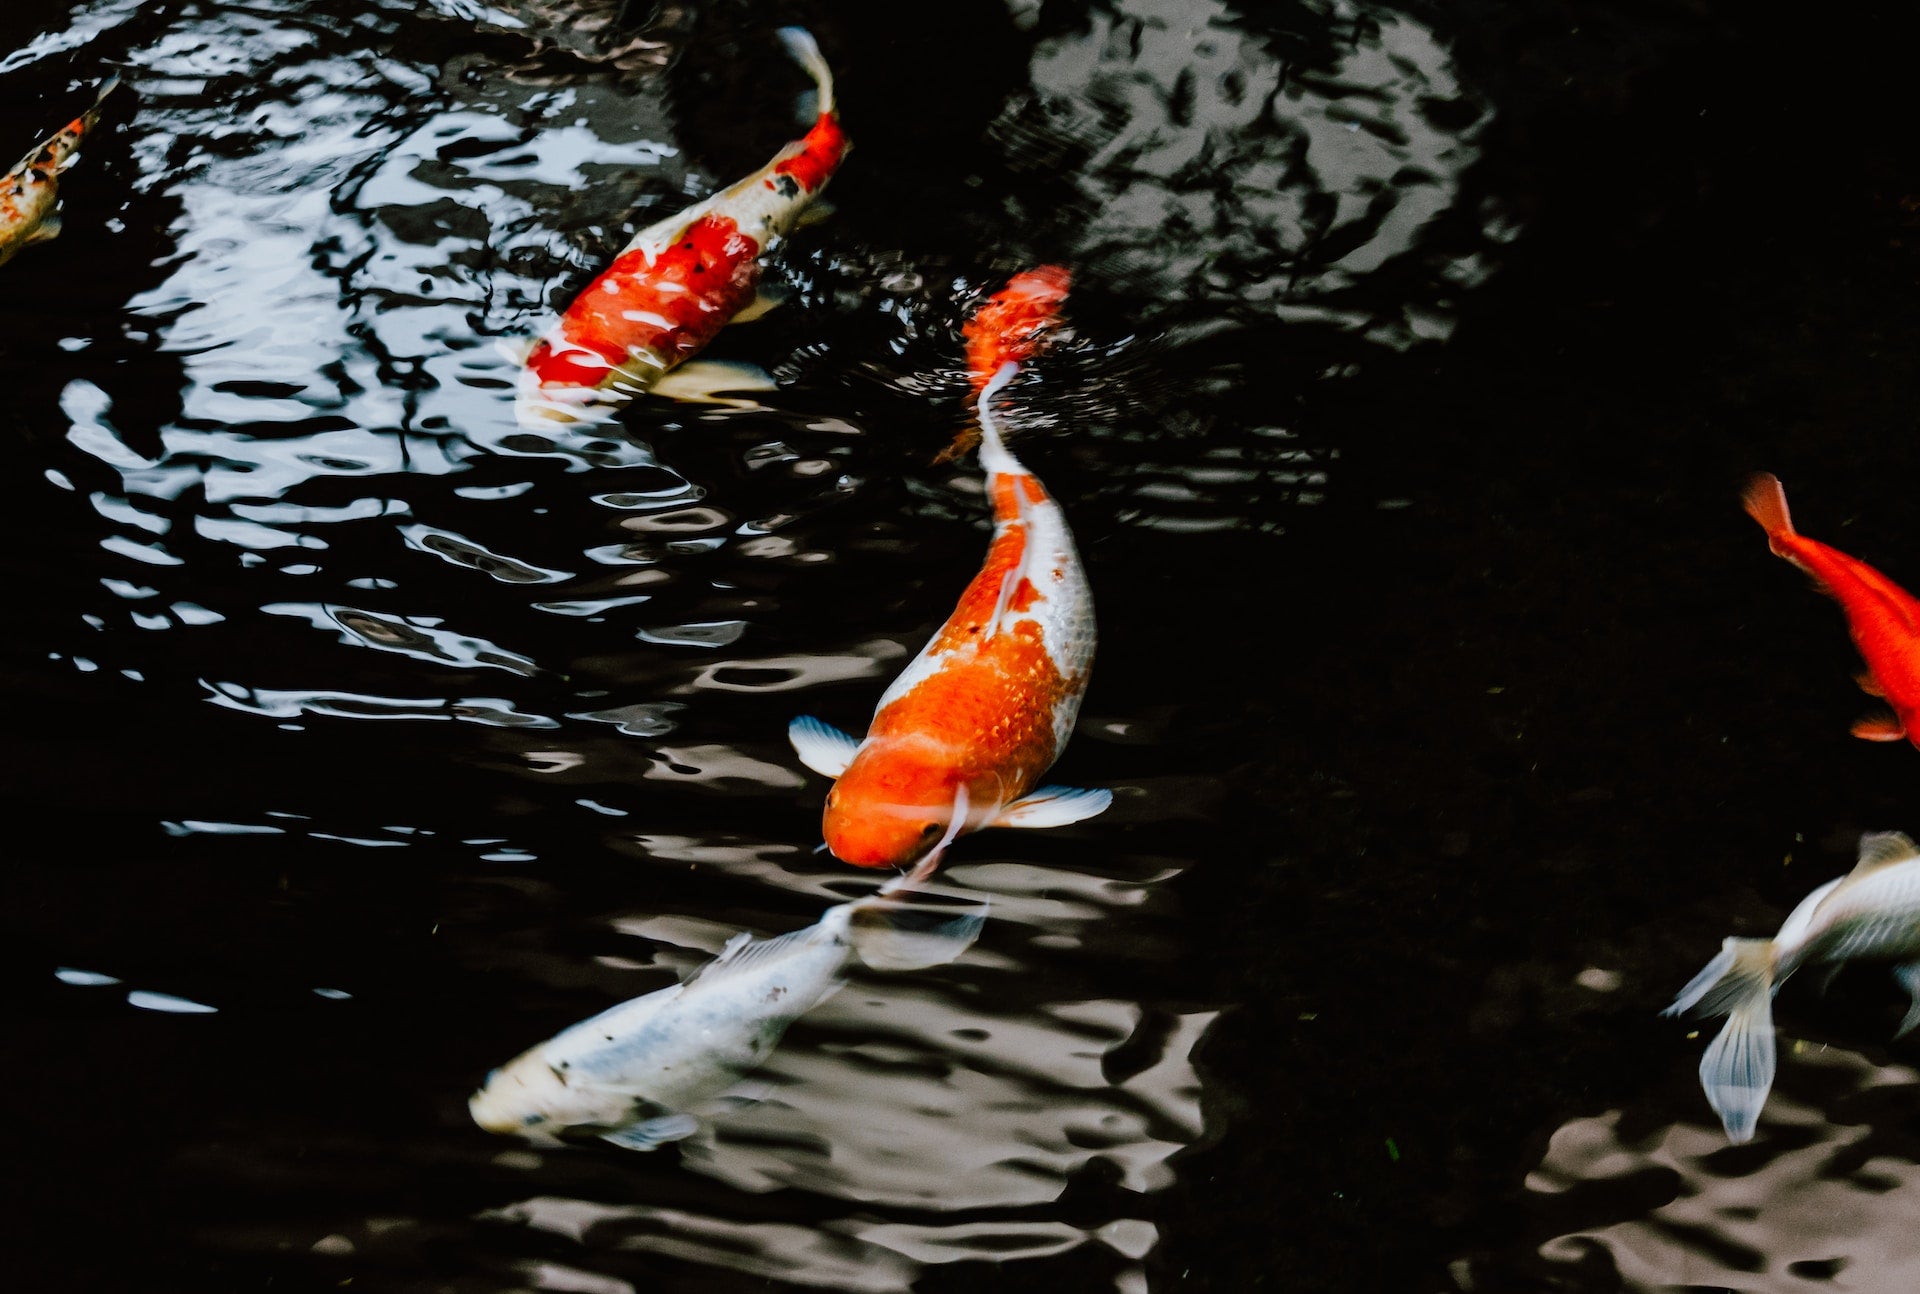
30	192
680	281
962	736
1883	617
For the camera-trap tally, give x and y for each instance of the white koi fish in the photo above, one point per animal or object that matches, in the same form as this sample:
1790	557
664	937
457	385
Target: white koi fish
30	192
680	281
637	1073
962	736
1873	912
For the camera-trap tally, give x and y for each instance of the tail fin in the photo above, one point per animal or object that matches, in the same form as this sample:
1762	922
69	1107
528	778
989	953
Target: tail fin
1766	503
800	43
994	456
894	933
1737	1069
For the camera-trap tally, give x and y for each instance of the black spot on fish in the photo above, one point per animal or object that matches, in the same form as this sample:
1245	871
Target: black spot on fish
700	266
787	186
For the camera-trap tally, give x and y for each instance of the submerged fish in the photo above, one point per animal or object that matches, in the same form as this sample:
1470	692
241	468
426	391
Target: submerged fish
636	1074
960	738
30	193
679	282
1883	617
1011	327
1873	912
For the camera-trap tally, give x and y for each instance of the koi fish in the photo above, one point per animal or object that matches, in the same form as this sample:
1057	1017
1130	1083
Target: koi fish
1883	617
1011	327
29	195
680	281
636	1073
1873	912
961	737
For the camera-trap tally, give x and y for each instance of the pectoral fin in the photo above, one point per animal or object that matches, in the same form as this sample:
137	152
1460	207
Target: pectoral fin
1869	684
1908	973
1053	806
46	230
702	381
1885	726
821	746
764	302
651	1134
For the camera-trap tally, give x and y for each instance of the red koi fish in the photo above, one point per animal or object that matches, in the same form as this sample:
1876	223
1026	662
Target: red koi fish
1883	617
962	736
1011	327
29	193
679	282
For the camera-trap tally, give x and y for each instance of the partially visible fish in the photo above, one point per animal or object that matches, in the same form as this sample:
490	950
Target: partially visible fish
1873	912
30	192
680	281
962	736
637	1074
1012	326
1883	617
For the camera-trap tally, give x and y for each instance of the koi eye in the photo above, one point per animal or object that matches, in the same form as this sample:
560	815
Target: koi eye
930	831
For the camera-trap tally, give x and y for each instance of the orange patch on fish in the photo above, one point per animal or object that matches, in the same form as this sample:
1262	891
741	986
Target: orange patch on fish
1016	323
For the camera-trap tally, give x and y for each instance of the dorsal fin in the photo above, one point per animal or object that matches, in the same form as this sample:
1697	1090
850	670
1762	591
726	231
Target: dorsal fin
743	953
1884	849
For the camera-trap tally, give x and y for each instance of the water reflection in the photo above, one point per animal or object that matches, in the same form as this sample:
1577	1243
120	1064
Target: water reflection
1826	1195
1265	173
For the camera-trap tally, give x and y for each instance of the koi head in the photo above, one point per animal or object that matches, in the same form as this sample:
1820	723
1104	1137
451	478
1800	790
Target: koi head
889	811
530	1098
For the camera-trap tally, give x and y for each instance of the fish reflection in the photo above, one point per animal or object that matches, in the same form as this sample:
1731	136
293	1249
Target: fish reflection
30	192
960	738
636	1074
1872	912
1013	326
1883	617
679	281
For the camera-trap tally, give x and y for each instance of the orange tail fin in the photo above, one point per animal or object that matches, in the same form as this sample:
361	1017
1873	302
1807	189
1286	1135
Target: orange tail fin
1766	503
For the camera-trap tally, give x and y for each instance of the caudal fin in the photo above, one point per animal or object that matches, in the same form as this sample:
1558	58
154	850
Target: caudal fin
912	932
1766	503
1737	1070
800	43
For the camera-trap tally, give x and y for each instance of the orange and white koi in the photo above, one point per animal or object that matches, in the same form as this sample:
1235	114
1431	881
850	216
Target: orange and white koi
962	736
1011	327
30	192
680	281
1883	617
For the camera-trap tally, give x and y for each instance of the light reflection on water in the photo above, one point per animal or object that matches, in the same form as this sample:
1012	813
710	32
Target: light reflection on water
314	507
1823	1197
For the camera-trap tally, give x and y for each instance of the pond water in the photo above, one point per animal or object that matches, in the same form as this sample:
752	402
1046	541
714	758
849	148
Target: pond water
360	738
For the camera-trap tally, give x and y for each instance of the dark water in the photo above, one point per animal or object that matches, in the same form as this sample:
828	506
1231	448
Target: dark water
363	739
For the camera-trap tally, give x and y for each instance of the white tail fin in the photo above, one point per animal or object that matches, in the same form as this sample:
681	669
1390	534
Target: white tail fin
892	935
994	456
1737	1070
800	43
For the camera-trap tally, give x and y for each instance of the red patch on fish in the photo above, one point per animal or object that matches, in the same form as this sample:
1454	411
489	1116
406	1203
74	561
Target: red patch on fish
668	307
819	156
1883	618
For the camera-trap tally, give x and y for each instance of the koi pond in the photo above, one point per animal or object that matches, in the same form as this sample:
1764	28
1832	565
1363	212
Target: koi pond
362	735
